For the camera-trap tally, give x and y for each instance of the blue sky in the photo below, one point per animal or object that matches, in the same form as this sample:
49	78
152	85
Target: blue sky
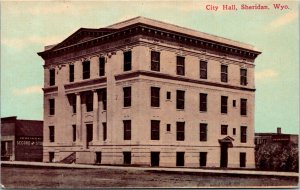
27	26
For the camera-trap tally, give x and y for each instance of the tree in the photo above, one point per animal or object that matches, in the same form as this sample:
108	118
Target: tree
277	157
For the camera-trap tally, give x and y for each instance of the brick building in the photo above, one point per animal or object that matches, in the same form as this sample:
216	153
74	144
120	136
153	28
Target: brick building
144	92
21	140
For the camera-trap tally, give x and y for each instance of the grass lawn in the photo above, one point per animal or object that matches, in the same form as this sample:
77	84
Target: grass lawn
17	177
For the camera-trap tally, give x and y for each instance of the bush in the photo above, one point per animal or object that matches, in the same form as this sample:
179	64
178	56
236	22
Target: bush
277	157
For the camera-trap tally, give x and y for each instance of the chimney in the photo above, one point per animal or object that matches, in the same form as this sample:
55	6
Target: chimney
278	130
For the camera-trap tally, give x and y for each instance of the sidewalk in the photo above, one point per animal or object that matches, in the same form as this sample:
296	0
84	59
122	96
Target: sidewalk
153	169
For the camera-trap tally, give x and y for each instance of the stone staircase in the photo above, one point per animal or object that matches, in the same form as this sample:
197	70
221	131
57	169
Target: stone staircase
69	159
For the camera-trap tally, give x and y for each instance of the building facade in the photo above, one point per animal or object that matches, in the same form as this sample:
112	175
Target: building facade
21	140
273	138
144	92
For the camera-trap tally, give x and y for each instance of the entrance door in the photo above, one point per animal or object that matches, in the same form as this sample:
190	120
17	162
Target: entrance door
224	155
154	158
179	158
89	134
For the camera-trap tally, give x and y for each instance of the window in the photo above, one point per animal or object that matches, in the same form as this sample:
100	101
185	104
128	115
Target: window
180	65
243	73
104	131
74	132
127	158
203	102
52	77
101	66
154	158
86	70
155	130
89	133
51	156
98	158
155	97
203	69
224	104
224	73
242	159
243	134
127	129
168	127
243	106
103	98
71	73
234	103
203	158
89	102
127	61
180	131
155	61
233	131
224	129
51	106
180	99
168	95
179	158
73	102
51	133
127	96
203	131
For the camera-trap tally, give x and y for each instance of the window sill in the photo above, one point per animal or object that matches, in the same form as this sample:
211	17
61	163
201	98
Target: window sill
51	115
244	115
224	113
203	111
155	107
126	107
179	109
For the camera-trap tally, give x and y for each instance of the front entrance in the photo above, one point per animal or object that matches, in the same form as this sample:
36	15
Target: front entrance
225	143
224	155
154	158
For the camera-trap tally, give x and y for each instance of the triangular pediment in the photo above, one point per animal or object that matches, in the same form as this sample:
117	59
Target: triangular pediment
81	35
227	139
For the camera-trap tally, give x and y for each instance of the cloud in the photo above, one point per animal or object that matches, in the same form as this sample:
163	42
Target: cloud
20	43
266	74
283	20
36	89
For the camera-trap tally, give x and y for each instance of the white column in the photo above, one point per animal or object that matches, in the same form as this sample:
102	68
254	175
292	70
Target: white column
78	118
95	117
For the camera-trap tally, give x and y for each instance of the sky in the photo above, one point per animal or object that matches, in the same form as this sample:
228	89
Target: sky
27	26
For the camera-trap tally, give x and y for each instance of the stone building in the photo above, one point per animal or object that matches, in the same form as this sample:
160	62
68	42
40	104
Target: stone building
21	140
145	92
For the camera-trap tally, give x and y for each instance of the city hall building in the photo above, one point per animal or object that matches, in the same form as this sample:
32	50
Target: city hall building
145	92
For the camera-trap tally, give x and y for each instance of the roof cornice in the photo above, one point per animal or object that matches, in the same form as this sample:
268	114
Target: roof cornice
152	31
